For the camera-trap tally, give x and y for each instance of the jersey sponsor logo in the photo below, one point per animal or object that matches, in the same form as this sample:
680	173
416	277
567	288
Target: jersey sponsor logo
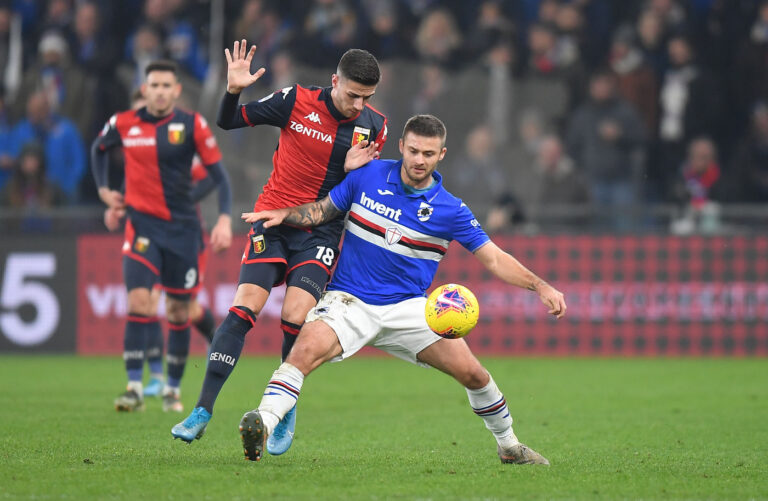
259	244
134	131
176	133
141	245
380	208
309	131
385	192
393	235
424	212
132	142
222	357
314	117
360	134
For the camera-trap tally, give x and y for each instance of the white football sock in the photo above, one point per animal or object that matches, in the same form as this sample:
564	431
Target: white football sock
280	395
490	404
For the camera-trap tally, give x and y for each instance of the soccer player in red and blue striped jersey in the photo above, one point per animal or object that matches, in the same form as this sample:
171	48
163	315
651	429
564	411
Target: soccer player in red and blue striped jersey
318	126
162	234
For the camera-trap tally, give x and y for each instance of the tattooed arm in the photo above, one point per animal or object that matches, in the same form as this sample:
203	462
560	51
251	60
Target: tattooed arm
312	214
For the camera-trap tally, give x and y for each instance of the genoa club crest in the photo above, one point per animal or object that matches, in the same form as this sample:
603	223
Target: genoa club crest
360	134
259	244
176	133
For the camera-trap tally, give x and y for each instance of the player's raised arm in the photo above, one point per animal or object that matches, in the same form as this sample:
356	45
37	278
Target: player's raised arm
312	214
239	77
507	268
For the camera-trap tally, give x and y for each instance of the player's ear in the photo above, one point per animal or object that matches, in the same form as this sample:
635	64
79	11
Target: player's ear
400	145
335	80
442	154
177	91
143	90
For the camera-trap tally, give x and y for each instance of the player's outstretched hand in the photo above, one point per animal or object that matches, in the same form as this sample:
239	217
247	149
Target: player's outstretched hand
552	298
360	154
239	74
270	217
221	234
112	218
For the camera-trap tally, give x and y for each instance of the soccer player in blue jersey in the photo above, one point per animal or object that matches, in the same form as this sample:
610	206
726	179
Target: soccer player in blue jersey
399	225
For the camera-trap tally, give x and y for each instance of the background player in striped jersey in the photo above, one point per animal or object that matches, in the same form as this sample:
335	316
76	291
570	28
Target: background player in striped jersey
318	127
163	230
400	223
200	317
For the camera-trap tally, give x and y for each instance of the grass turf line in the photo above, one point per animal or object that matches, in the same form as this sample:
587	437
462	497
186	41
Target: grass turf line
381	428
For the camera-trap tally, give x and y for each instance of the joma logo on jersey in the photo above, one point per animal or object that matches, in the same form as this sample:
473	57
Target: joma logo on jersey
308	131
314	117
380	208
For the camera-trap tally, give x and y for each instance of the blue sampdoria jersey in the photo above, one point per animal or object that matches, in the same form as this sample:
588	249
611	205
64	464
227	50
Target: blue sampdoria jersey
394	241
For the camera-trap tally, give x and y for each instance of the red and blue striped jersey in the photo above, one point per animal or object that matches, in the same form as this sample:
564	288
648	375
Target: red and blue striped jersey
314	140
158	159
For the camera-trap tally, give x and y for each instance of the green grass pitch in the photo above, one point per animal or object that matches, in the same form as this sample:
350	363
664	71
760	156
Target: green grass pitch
378	428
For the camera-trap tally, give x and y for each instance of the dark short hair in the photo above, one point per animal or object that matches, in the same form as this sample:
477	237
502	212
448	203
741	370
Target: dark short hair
162	65
360	66
426	126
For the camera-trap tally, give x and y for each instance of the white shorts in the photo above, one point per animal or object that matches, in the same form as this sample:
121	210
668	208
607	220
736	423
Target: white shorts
399	329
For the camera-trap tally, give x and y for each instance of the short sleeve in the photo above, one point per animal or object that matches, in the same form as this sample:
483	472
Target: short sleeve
205	142
467	230
381	138
273	109
109	136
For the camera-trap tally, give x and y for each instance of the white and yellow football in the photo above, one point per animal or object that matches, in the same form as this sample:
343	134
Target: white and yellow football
452	311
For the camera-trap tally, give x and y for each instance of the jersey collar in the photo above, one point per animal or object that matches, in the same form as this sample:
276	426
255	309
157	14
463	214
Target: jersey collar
393	178
146	116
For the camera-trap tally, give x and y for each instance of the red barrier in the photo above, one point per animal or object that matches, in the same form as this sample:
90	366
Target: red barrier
639	295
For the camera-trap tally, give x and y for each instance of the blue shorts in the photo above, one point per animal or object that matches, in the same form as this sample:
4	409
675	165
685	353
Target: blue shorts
148	260
299	257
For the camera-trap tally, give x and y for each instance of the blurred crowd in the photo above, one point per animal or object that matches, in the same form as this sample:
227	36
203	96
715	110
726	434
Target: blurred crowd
559	112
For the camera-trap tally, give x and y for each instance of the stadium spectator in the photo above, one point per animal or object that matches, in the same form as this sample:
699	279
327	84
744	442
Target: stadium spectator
557	184
479	173
688	107
751	72
69	90
751	158
635	78
491	29
29	187
64	151
651	40
264	25
380	29
605	137
11	52
6	143
438	39
697	189
178	37
329	29
145	46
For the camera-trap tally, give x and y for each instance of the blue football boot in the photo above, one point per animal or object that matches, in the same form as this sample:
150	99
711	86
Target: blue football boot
193	427
282	437
154	388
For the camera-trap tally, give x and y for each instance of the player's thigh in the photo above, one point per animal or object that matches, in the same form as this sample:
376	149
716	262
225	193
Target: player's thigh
317	343
306	284
140	302
454	357
354	323
253	297
179	275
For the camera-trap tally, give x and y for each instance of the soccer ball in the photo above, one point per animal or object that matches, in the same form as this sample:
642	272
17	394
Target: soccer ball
452	311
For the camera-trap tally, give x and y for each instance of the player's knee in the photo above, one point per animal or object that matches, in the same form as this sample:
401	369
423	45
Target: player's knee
474	377
176	310
140	302
250	296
